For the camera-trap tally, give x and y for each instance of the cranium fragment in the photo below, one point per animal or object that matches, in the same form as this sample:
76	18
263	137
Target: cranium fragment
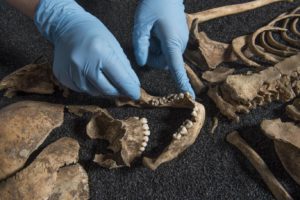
270	180
38	179
33	78
286	137
71	183
186	134
24	126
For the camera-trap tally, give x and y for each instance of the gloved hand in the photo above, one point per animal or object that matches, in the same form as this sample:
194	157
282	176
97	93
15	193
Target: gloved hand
160	37
87	56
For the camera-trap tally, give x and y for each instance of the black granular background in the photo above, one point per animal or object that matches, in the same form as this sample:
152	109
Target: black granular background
211	168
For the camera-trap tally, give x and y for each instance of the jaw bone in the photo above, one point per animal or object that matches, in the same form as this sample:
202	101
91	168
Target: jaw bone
127	138
186	134
38	179
24	126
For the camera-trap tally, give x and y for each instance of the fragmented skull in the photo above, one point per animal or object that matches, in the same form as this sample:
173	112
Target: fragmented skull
24	126
38	179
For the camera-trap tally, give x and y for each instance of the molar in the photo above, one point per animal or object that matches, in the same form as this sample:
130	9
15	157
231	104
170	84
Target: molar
147	133
146	127
189	124
144	120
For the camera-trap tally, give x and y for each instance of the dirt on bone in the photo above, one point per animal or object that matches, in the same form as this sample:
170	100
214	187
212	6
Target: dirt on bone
24	127
38	179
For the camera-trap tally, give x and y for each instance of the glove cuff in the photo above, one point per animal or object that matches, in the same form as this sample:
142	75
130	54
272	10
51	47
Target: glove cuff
53	17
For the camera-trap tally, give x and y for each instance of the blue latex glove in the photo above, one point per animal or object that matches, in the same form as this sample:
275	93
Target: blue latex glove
87	56
160	37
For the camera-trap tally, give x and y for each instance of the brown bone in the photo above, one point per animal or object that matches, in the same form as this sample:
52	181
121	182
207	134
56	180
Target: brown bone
38	179
33	78
186	134
286	137
71	183
258	163
25	125
207	15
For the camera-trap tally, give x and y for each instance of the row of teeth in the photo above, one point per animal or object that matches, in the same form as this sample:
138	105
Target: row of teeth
146	133
183	130
168	99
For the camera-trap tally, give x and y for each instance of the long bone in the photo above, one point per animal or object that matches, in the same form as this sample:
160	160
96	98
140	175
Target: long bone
186	134
258	163
207	15
286	137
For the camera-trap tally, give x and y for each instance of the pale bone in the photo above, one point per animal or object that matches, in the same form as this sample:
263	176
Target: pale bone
71	184
38	179
125	137
217	75
182	142
215	123
237	46
25	125
294	28
286	137
262	53
258	163
293	110
32	78
196	83
207	15
275	83
285	36
213	52
271	49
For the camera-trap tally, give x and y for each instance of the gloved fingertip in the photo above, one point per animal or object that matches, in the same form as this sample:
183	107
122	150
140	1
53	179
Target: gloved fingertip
141	57
188	88
134	92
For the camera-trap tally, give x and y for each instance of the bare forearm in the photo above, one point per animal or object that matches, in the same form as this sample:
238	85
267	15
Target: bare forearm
27	7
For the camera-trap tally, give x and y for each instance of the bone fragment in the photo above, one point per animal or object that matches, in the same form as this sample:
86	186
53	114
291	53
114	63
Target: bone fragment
275	187
24	127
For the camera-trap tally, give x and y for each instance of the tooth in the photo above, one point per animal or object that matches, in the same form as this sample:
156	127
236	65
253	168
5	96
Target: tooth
181	95
144	120
136	118
142	149
194	114
144	144
145	127
189	124
146	138
183	130
147	133
178	137
175	135
196	109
